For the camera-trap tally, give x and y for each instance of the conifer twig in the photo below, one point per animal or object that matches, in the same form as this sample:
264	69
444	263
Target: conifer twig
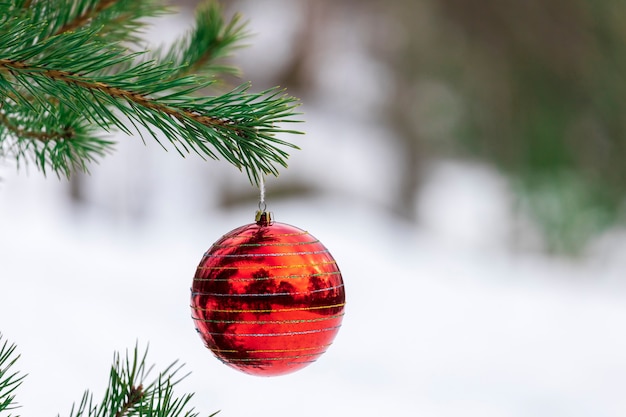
130	394
68	63
116	92
211	39
86	16
9	380
134	397
66	134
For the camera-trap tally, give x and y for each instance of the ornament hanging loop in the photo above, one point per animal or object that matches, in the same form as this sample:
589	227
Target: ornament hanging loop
262	218
261	192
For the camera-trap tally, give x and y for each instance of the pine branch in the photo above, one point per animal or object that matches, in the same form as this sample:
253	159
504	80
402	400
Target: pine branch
128	394
85	16
210	40
66	134
102	84
239	125
9	381
115	20
55	138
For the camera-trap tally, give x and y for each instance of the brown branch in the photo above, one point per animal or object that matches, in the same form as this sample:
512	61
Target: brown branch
134	396
207	56
119	93
85	17
67	133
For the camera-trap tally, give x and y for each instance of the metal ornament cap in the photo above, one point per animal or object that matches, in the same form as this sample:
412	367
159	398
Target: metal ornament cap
267	298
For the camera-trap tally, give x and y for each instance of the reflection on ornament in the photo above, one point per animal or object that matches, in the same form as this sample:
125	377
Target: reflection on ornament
267	298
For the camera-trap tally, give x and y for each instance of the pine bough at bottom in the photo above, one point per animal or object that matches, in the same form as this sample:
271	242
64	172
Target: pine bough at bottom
128	392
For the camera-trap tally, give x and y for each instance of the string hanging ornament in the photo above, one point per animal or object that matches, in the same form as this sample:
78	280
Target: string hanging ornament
267	298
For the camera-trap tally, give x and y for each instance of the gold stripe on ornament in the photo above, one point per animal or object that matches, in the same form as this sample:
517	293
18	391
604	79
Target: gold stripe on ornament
308	355
276	350
281	277
258	245
248	236
269	321
230	268
277	310
270	350
327	329
216	294
291	363
259	255
301	362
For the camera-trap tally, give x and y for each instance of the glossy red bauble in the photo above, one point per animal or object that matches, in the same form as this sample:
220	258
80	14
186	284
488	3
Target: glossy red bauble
267	298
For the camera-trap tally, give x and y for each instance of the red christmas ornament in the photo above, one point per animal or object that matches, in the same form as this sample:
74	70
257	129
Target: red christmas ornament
267	298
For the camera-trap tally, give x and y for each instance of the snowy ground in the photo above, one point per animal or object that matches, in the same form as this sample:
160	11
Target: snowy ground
440	322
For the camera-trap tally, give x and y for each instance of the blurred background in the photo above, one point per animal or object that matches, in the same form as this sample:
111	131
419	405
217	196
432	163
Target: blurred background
463	162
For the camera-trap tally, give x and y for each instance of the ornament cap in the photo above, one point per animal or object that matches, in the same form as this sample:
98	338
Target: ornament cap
263	218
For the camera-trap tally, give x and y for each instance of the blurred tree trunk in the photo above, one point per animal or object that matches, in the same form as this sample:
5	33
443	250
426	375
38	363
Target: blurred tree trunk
296	74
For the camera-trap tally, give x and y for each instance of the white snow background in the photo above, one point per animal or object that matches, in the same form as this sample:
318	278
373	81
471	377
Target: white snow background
447	318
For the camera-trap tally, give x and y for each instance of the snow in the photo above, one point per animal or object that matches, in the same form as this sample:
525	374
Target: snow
435	326
454	316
